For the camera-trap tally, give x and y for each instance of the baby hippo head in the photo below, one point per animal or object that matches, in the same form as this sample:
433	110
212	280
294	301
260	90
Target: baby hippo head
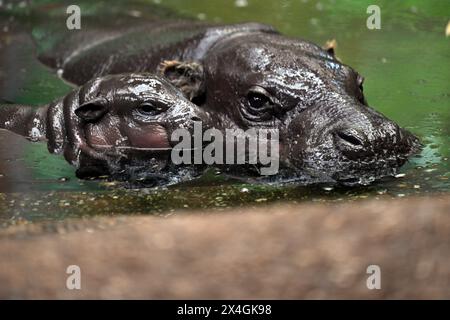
127	121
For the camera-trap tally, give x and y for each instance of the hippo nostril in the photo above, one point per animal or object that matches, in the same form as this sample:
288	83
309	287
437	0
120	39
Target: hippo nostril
195	118
349	138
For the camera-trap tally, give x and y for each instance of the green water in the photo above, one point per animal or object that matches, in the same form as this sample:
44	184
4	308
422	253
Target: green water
406	65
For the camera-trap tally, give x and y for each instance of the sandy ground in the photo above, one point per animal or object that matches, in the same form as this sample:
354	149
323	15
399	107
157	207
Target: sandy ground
282	251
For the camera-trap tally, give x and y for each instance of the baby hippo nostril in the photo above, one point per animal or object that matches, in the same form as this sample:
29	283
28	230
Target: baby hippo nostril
349	136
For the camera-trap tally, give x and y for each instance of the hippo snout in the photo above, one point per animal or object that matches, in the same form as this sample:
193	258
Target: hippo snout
350	144
387	141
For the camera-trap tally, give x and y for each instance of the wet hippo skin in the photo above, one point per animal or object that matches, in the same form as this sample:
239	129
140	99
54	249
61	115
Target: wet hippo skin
250	76
117	125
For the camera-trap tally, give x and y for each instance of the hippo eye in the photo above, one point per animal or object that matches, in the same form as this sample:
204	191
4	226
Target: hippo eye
258	97
260	105
149	109
257	100
360	94
360	81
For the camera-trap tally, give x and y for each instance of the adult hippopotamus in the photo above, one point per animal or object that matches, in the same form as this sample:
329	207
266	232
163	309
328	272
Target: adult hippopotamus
250	76
118	125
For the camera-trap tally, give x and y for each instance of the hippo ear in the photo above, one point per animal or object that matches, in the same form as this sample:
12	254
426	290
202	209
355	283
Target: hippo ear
92	111
329	46
186	76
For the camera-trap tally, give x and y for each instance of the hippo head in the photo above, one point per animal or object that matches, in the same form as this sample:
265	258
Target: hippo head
327	131
126	122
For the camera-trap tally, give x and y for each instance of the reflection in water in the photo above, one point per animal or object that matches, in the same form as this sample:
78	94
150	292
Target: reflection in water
406	81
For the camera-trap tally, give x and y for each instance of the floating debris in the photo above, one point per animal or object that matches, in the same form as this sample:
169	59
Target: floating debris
244	190
108	183
135	13
400	175
416	186
328	188
241	3
314	21
261	200
447	29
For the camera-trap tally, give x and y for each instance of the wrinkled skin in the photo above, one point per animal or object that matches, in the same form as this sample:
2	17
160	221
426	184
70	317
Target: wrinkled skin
249	76
115	125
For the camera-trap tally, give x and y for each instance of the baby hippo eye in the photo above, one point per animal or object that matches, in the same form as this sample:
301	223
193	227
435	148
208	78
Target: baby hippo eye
149	109
360	94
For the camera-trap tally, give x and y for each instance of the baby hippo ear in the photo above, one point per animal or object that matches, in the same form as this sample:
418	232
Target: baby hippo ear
186	76
92	110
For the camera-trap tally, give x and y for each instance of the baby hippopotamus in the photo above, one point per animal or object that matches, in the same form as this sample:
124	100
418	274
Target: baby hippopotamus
117	125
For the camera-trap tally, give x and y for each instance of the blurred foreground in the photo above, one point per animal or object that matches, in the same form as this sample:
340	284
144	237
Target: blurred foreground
284	251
